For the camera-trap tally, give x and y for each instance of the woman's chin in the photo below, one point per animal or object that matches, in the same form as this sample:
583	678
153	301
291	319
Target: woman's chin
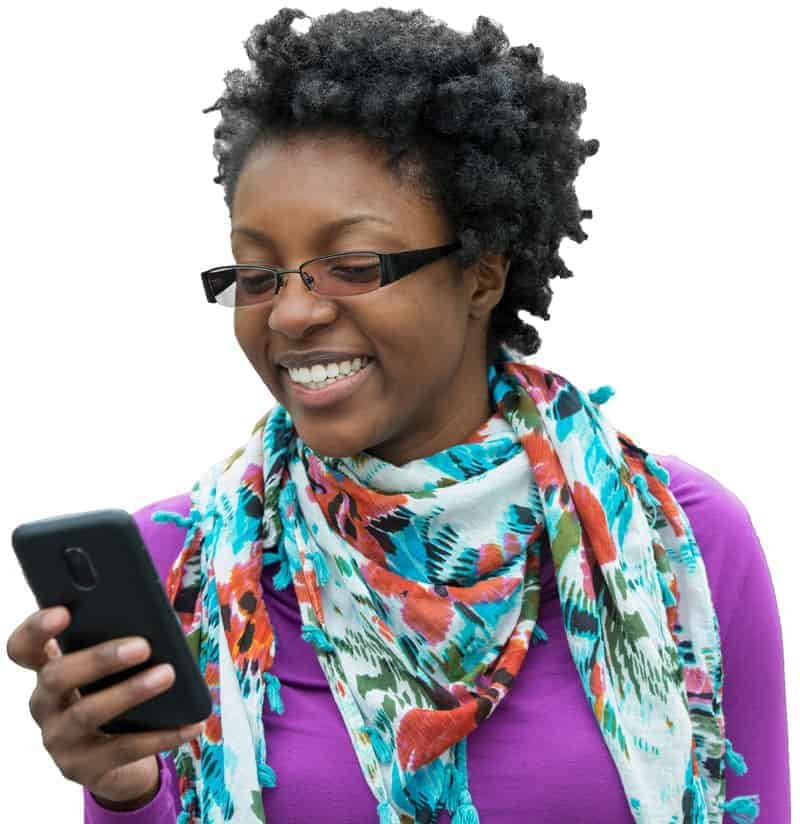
332	447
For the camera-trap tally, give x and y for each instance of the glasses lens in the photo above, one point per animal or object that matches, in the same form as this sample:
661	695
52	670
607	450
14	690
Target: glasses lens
242	285
342	275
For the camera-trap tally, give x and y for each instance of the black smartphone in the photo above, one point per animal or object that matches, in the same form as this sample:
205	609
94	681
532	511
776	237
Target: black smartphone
97	566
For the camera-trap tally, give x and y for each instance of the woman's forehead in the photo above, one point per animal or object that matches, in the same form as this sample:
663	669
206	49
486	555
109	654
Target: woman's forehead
325	182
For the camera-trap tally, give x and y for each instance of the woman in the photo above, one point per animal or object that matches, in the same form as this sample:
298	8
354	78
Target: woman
427	541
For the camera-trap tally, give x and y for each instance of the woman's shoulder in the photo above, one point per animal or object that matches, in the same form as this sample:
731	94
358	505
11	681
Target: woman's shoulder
711	507
728	542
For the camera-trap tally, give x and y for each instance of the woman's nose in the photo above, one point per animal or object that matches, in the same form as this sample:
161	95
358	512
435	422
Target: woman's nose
296	307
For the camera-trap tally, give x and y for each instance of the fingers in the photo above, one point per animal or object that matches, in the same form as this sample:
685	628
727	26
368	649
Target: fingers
123	749
88	763
70	722
85	716
84	666
26	644
61	675
51	649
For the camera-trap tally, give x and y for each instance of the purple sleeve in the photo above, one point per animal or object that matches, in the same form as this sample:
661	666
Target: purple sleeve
753	688
164	541
159	810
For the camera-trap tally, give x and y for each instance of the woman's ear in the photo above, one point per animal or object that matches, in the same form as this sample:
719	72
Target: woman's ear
488	283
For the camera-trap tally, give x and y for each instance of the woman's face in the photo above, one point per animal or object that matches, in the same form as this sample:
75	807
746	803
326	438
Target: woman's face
425	388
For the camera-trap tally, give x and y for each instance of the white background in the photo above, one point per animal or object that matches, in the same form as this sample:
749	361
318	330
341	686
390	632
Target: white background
123	384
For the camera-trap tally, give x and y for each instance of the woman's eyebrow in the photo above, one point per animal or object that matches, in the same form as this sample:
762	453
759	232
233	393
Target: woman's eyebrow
326	230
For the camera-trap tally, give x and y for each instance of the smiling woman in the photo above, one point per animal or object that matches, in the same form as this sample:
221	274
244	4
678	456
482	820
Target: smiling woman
399	407
453	545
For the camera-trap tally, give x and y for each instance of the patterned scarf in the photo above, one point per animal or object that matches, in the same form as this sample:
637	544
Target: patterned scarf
418	586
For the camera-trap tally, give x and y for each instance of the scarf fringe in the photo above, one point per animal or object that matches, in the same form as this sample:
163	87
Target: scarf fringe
283	577
648	501
743	809
733	759
274	693
318	637
601	394
465	812
656	469
266	775
165	516
538	635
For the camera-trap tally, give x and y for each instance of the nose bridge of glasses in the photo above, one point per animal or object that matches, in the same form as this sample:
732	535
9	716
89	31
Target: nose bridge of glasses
282	278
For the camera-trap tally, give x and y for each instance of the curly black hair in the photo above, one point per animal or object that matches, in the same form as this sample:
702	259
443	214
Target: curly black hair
476	125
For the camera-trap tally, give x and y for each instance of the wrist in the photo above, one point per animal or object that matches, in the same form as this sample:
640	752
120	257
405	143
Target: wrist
131	804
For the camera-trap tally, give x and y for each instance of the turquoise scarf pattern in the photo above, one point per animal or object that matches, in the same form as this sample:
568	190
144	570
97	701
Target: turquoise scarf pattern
418	586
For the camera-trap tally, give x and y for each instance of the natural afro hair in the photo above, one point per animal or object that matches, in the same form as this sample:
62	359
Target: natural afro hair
496	136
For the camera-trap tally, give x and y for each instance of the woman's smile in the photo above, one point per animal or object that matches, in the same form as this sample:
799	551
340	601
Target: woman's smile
335	388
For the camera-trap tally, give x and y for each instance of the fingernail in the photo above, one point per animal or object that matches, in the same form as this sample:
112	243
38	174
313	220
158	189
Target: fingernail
158	677
52	620
131	649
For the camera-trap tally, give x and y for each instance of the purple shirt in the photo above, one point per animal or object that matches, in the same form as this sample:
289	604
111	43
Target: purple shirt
541	756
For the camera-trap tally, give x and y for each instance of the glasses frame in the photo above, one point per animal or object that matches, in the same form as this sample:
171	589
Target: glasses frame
394	265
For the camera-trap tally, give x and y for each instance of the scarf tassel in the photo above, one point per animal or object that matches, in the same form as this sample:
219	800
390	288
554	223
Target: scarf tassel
459	798
743	809
733	759
656	469
641	484
274	693
465	812
268	558
266	775
165	516
601	394
318	637
283	577
538	635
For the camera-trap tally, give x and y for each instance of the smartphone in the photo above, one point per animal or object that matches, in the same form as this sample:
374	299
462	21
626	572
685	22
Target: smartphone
97	566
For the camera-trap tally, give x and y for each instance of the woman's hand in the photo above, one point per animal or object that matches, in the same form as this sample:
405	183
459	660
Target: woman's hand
120	770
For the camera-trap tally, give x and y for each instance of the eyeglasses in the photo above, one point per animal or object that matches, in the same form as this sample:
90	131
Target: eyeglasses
339	275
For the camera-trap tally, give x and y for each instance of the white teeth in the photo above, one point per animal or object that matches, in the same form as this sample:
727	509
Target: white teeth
321	375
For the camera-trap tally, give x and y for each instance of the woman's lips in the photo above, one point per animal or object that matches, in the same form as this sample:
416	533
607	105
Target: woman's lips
333	393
